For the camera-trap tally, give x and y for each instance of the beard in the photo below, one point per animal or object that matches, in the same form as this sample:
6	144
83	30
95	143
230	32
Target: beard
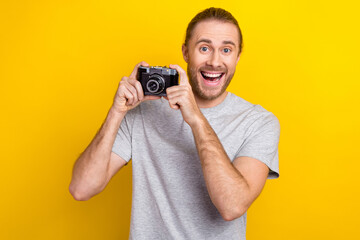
212	93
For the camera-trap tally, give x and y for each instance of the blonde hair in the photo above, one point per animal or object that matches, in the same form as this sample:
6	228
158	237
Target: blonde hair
213	14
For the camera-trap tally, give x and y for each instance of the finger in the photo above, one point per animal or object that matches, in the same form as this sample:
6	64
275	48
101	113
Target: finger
175	88
139	90
134	97
134	72
129	97
179	93
124	79
138	87
182	74
173	103
176	107
151	97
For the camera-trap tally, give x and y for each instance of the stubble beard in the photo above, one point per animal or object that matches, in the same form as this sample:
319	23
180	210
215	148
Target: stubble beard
192	74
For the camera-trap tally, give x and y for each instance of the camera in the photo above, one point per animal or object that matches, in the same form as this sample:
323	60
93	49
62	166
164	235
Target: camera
155	80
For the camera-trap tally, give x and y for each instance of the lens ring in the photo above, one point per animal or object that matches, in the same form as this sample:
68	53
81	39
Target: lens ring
152	86
156	84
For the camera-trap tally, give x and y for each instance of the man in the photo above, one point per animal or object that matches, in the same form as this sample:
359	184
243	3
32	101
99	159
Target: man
200	156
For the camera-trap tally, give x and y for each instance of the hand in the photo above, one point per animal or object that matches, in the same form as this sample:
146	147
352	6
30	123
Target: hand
182	97
130	93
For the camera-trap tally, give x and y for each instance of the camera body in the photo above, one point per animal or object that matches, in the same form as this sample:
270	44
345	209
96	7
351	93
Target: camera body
155	80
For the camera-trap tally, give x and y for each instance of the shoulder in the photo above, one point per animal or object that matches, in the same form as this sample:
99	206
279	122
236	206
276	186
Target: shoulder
255	113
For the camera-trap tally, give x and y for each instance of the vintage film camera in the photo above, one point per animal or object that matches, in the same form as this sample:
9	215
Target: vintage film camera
155	80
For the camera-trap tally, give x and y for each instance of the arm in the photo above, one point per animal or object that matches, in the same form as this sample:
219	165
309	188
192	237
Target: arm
232	186
97	164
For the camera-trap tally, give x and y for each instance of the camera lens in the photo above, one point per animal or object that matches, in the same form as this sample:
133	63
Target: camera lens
156	84
153	86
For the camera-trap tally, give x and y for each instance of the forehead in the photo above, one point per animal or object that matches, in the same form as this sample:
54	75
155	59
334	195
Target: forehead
216	31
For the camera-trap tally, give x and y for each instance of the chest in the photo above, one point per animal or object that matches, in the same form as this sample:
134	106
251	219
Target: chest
166	132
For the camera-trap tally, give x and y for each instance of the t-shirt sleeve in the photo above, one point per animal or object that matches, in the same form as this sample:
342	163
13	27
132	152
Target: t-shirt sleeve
122	143
262	143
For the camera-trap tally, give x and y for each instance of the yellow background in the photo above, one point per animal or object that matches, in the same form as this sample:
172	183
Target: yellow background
60	64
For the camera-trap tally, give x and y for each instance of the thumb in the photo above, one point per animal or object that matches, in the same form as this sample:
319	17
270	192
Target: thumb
182	74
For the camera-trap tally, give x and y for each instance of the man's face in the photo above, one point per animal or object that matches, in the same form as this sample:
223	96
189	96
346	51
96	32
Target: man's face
212	55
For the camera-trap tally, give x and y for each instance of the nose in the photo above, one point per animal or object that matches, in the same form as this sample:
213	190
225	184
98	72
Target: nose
214	59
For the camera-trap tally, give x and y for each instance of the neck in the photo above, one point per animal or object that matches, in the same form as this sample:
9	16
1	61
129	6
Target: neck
204	103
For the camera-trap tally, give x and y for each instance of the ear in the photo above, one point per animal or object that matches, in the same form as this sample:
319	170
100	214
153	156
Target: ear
238	58
185	53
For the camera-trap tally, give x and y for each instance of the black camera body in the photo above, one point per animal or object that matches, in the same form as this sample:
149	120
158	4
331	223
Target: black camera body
155	80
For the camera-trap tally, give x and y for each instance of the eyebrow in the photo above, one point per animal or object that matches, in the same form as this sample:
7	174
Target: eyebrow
209	41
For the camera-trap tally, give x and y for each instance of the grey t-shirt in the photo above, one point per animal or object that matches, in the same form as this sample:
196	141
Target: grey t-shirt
170	198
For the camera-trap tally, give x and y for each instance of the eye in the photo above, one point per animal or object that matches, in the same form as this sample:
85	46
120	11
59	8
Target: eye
227	50
204	49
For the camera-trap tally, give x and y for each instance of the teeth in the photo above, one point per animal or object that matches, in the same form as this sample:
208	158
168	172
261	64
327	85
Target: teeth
211	75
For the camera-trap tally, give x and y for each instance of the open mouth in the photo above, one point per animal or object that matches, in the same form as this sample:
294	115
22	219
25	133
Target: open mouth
212	78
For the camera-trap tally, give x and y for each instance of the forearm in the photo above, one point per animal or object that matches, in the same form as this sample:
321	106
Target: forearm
91	168
227	188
